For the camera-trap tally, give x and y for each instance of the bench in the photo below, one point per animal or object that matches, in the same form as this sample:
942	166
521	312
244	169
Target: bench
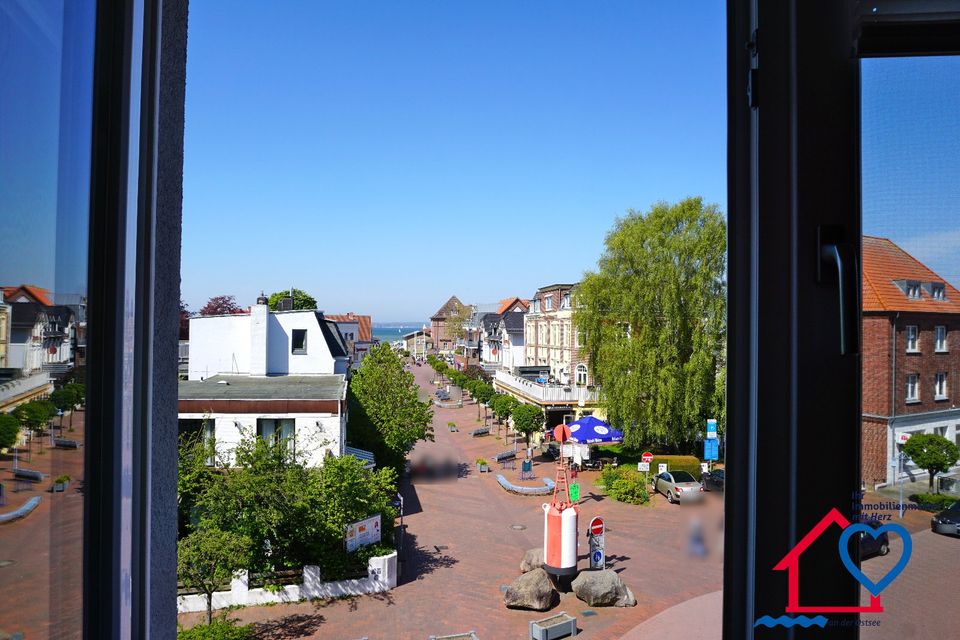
482	431
64	443
16	514
505	455
28	474
546	489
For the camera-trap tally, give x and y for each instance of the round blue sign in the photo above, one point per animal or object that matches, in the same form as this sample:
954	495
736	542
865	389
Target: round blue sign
597	556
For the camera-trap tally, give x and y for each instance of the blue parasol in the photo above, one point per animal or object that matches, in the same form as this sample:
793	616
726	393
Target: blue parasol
590	430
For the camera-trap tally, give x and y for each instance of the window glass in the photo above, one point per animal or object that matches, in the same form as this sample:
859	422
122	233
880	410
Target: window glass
910	145
46	61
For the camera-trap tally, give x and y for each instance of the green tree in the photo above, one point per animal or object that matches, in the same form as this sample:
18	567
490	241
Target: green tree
390	397
196	472
652	320
64	400
9	430
33	415
931	452
207	559
527	419
301	300
456	322
79	392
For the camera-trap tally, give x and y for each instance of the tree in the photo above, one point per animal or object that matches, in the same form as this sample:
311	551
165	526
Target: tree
652	321
208	558
456	322
79	392
220	306
9	430
195	474
390	397
63	399
33	415
931	452
301	300
527	419
184	320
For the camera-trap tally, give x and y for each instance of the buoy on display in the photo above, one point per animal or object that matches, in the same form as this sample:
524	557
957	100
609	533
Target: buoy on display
560	520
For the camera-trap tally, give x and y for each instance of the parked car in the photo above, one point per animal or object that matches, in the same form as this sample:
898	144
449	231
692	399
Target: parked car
712	480
870	546
678	486
947	522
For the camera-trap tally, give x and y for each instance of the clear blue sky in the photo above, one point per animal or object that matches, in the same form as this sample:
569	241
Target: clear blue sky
385	155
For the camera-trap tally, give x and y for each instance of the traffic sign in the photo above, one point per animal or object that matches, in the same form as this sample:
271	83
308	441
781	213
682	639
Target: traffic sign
597	559
596	526
704	467
711	428
643	466
662	467
711	449
647	457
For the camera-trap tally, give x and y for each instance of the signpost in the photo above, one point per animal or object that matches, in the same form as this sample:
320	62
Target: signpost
711	429
662	467
363	533
598	557
704	467
643	466
711	449
646	458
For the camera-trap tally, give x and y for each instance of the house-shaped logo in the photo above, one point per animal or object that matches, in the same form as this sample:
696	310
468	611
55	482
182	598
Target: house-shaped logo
791	564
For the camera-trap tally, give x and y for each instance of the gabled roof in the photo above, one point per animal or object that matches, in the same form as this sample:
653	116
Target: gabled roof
489	322
448	307
512	322
551	287
333	337
834	517
507	304
364	324
26	314
884	263
35	293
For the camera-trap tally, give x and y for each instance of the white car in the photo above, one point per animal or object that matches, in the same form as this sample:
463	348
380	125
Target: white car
678	486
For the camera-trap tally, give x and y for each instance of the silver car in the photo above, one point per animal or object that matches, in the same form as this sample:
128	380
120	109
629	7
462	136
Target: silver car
678	486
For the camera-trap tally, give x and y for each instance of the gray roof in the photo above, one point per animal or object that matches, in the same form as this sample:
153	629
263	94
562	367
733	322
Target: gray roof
331	333
513	321
320	387
490	321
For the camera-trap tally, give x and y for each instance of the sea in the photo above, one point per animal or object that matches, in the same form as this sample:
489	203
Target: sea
395	332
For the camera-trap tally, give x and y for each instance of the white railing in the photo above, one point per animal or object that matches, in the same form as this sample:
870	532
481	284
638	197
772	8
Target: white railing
544	393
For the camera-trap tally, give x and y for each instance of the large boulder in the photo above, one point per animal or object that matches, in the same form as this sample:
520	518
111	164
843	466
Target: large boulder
532	559
603	589
533	590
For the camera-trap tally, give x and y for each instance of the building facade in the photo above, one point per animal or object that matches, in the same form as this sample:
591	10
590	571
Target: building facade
442	340
910	358
550	341
357	332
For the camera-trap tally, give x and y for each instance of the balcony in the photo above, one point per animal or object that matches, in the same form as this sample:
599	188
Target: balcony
543	393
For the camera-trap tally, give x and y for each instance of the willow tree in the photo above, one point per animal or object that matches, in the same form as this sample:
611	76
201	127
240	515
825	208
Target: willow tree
652	320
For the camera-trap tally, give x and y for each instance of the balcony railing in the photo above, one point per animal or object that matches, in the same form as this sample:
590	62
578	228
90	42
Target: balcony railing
544	393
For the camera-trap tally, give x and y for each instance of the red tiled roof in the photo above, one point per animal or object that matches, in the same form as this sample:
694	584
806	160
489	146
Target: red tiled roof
883	263
506	303
38	294
364	324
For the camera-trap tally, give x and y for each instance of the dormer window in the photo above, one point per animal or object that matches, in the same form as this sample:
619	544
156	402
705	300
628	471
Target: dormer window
548	303
937	291
565	302
913	290
536	305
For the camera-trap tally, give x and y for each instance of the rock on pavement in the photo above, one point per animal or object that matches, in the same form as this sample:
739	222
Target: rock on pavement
533	590
603	589
532	559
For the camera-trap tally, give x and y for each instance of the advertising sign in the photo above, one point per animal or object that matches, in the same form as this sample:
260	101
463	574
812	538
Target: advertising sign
711	428
363	533
711	449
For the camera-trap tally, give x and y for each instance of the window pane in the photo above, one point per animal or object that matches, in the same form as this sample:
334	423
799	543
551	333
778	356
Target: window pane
911	195
45	117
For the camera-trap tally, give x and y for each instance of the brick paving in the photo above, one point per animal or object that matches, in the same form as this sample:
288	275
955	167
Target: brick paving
40	591
461	548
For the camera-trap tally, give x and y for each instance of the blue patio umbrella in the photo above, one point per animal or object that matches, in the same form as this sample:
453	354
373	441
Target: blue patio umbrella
590	430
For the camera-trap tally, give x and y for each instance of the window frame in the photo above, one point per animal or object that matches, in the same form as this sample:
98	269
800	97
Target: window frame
915	341
912	382
941	382
302	349
940	339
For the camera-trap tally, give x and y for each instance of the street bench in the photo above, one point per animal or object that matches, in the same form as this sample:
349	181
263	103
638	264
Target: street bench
24	510
546	489
505	455
482	431
28	474
65	443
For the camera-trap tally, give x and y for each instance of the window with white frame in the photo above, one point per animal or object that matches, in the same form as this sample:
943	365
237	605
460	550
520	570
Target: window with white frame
913	338
941	338
548	303
536	305
581	374
565	302
940	386
577	339
913	290
940	431
937	291
913	388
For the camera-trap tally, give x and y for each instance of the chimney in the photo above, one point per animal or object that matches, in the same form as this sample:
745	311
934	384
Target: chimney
259	319
285	304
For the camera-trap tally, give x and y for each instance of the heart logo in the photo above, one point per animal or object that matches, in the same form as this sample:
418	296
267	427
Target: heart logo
874	587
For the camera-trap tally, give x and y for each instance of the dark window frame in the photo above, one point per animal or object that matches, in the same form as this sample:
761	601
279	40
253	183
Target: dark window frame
302	349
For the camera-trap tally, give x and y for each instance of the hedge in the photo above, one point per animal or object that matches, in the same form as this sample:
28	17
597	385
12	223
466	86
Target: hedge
933	501
218	629
625	485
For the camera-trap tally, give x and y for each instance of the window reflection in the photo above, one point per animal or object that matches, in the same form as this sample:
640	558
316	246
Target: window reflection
46	58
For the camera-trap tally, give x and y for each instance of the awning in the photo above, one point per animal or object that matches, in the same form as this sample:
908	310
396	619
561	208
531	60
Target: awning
590	430
360	454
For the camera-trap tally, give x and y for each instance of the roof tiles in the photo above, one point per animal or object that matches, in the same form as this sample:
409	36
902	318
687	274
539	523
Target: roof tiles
884	263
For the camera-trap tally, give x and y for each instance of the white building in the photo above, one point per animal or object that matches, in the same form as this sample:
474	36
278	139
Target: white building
273	374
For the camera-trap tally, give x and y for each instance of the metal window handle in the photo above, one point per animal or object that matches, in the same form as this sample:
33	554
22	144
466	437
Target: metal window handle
843	259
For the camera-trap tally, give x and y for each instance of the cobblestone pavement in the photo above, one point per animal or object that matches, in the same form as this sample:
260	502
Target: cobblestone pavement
465	539
41	555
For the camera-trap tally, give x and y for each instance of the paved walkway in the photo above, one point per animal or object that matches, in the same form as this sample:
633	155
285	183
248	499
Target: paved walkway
41	555
465	540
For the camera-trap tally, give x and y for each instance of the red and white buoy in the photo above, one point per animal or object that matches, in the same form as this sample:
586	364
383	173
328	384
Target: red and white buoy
560	520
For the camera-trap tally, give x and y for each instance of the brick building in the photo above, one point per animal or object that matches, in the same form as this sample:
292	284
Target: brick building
443	342
911	357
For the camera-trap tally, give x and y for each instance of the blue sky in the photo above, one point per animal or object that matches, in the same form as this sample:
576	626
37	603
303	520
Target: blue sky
385	155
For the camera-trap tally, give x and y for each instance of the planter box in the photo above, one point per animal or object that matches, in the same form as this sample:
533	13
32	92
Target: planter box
559	625
60	487
469	635
483	468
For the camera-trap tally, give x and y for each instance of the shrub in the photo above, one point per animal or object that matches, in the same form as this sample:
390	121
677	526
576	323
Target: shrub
62	479
625	485
933	501
481	461
219	629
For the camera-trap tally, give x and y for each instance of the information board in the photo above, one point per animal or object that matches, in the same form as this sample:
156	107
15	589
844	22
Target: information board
363	533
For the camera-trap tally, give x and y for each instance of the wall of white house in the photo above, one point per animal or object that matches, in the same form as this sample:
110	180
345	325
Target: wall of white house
280	360
514	354
219	344
947	424
315	433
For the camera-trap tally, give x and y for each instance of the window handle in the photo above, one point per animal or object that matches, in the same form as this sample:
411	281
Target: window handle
841	258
